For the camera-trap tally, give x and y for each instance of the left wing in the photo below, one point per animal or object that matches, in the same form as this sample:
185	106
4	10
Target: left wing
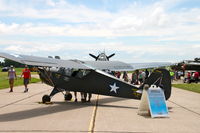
41	61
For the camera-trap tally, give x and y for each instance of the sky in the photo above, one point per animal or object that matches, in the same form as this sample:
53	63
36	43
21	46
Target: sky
136	30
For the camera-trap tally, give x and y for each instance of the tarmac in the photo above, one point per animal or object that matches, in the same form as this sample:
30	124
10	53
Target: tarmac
23	113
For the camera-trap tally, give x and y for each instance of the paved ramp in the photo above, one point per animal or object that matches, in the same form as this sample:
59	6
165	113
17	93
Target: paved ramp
21	112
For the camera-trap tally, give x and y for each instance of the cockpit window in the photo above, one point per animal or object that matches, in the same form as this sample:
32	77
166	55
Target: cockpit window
74	72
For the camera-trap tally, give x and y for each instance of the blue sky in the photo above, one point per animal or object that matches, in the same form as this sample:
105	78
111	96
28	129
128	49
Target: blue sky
136	30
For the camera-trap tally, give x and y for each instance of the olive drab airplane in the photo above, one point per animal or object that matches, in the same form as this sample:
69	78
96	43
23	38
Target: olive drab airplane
89	77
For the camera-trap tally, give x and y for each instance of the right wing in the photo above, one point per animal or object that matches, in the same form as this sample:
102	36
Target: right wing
150	65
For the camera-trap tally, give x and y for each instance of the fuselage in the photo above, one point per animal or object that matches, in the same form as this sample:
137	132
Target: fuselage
89	81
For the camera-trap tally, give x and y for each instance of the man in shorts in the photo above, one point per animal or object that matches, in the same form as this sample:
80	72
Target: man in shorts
27	77
11	76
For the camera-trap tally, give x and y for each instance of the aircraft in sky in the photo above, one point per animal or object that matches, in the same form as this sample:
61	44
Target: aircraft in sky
89	77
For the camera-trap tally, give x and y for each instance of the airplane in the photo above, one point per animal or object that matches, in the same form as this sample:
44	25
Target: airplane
89	77
102	56
188	65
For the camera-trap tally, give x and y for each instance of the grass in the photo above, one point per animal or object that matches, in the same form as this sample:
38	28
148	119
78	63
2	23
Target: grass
190	87
4	82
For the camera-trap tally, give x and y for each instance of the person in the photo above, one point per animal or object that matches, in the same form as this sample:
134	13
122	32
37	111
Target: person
143	76
146	74
89	96
140	77
118	74
134	78
83	97
75	95
188	77
137	77
11	76
172	75
27	77
196	77
125	76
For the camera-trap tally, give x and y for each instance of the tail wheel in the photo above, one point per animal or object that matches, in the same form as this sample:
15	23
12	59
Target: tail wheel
46	98
68	97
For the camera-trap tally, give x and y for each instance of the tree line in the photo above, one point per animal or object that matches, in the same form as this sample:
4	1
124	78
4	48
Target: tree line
7	63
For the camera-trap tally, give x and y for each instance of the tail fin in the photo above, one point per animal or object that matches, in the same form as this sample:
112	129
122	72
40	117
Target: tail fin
161	78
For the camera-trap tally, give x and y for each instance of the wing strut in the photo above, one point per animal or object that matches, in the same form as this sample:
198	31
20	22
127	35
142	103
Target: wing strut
55	90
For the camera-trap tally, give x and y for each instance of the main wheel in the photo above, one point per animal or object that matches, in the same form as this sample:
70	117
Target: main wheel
68	97
46	98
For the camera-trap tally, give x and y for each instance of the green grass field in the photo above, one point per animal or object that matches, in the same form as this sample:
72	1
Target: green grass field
19	81
190	87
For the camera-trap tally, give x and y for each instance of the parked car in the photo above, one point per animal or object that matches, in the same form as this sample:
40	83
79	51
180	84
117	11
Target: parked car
33	69
5	69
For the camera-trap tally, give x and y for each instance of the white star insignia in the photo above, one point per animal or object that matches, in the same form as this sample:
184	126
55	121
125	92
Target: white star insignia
114	88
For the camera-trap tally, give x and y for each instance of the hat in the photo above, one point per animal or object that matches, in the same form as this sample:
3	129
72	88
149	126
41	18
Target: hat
11	66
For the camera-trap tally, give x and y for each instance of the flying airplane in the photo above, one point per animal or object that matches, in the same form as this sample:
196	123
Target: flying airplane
89	77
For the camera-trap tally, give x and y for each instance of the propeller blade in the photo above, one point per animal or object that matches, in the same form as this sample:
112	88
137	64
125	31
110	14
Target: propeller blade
110	56
93	56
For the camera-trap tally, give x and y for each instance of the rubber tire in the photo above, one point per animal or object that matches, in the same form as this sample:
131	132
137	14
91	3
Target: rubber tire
68	97
46	98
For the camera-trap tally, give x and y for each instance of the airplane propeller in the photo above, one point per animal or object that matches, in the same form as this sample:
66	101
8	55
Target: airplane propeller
102	55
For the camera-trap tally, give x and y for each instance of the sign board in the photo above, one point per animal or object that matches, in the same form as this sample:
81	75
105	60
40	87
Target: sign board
156	100
153	102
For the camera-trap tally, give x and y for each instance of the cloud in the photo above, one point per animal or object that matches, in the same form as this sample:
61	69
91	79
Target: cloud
51	19
135	20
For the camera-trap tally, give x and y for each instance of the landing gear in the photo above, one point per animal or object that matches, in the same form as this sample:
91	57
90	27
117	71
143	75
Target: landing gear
46	98
68	97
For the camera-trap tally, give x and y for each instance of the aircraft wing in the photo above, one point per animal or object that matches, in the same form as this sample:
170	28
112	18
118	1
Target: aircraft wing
43	62
76	64
150	65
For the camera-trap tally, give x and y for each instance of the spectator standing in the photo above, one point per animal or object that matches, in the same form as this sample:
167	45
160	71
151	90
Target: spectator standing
11	76
140	77
143	76
188	77
146	74
134	78
125	76
137	77
196	77
75	95
27	77
118	74
172	75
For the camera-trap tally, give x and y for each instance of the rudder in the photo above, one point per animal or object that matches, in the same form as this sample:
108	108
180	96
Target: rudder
161	78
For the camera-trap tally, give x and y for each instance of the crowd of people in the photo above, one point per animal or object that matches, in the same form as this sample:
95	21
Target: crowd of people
192	77
186	76
137	77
